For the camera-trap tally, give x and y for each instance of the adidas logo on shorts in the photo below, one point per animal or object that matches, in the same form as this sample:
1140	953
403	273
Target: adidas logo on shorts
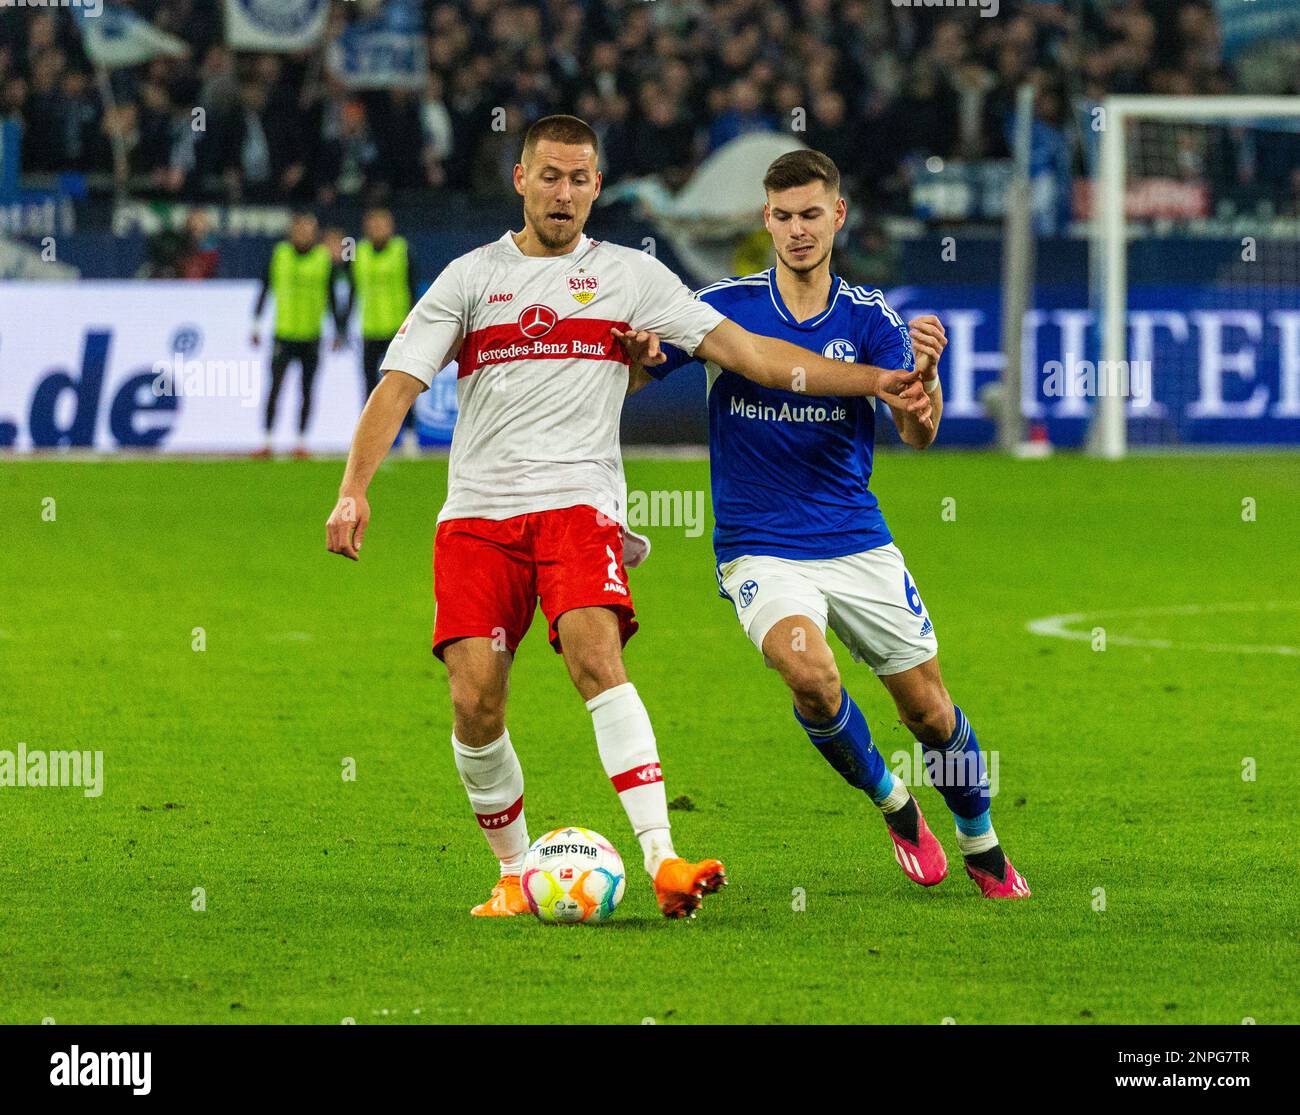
927	626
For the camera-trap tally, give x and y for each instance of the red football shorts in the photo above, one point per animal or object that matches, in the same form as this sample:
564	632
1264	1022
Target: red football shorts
488	574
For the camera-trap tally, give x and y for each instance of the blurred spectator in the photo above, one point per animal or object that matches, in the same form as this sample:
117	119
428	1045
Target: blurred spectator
743	114
184	253
436	132
199	257
662	139
259	151
831	130
218	89
349	156
78	113
662	84
867	256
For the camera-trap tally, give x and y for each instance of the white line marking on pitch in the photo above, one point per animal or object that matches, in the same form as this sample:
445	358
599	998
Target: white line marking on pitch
1058	627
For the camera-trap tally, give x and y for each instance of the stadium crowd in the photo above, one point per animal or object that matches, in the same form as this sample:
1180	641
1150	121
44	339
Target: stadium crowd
663	83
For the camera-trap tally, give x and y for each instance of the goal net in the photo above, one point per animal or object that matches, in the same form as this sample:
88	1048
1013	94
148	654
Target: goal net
1195	273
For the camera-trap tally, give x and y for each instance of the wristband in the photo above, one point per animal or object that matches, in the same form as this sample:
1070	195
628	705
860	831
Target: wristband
930	389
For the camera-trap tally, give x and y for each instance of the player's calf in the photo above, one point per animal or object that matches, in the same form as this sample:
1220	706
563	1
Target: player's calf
956	768
629	753
487	764
836	727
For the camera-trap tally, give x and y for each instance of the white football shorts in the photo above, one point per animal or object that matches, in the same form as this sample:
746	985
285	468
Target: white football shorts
869	600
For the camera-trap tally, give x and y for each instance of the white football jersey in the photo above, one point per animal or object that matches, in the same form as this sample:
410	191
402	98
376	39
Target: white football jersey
541	380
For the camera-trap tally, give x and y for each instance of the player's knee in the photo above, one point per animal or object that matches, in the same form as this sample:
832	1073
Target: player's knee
931	719
480	709
594	670
815	686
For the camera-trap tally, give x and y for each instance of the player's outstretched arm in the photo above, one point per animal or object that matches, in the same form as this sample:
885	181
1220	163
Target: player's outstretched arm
776	363
376	430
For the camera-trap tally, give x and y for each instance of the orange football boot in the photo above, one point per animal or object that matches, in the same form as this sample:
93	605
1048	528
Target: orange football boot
506	901
680	886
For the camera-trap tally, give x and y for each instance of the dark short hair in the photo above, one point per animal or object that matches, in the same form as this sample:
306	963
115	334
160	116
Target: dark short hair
798	168
561	129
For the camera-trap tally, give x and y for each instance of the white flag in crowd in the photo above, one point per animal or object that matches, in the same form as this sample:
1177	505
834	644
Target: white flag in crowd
275	25
385	51
117	37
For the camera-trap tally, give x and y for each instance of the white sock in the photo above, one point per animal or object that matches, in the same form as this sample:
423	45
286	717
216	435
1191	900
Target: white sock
494	781
626	743
973	845
898	797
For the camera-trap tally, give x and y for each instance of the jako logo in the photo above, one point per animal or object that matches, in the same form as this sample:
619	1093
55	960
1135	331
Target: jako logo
500	296
116	1070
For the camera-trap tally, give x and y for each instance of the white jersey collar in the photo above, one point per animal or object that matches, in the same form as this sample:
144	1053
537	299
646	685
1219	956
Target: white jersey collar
584	242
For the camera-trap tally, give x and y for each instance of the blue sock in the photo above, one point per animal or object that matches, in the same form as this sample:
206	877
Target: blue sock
956	770
845	743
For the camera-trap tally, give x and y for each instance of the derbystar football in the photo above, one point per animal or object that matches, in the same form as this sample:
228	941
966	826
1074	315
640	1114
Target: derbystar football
572	875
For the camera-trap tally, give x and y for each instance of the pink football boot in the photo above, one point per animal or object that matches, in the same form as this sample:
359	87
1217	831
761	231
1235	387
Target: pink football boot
1012	886
924	861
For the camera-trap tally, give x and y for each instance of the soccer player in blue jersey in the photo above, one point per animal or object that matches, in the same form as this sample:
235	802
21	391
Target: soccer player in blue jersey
801	543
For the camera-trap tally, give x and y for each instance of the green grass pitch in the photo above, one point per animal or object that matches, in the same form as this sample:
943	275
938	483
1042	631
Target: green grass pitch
1120	771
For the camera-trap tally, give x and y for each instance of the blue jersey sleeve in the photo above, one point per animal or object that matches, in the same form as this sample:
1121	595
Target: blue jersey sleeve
676	359
888	344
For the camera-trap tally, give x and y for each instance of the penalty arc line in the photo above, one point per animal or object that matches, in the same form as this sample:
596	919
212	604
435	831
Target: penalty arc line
1060	627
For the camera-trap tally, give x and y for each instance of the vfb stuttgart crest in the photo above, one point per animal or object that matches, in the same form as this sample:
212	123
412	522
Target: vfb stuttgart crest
583	287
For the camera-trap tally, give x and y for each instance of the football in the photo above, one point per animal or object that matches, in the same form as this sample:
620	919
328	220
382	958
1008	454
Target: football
573	875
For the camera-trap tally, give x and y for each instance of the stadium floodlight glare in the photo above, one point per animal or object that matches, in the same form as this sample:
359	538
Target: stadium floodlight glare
1121	148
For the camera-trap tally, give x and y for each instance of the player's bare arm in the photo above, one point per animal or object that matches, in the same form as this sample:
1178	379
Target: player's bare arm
777	363
644	351
919	428
376	430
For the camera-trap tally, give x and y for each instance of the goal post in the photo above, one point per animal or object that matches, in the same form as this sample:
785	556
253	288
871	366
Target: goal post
1111	229
1017	272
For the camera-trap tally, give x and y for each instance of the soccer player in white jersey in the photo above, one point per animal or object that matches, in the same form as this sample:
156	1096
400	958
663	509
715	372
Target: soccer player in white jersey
801	543
537	322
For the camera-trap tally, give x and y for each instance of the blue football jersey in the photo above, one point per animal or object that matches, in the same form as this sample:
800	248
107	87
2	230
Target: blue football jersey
791	472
